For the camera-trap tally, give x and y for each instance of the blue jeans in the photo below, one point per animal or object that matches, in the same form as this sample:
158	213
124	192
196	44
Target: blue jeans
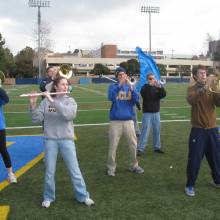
135	119
150	120
68	152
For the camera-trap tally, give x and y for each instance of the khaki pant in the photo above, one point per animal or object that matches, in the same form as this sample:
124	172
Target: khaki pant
116	129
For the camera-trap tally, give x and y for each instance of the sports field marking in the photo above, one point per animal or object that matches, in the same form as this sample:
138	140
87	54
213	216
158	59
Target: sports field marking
92	90
75	97
24	169
178	116
174	100
97	124
104	109
169	114
176	107
78	102
4	210
9	143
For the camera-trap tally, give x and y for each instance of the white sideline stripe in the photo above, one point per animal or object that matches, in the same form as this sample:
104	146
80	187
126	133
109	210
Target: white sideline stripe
177	107
75	97
101	124
92	110
174	100
178	116
77	103
92	102
82	110
84	125
91	90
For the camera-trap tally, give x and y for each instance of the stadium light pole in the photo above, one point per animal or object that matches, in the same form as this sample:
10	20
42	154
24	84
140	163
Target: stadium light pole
149	10
39	4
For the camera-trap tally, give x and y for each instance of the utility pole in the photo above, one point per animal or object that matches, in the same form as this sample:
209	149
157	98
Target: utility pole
149	10
39	4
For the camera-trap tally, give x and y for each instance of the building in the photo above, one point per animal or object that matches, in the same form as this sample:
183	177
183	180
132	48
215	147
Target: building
214	47
83	61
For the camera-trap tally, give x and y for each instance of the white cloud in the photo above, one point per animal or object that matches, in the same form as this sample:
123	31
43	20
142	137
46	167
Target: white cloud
180	26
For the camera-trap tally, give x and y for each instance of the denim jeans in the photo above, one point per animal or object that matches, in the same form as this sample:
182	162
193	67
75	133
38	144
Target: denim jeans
135	119
68	152
150	120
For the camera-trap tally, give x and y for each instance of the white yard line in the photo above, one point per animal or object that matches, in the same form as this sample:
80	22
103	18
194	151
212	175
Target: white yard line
177	107
100	124
92	90
178	116
80	110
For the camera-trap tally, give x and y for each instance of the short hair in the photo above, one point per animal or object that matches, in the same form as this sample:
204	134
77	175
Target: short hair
196	69
48	68
149	74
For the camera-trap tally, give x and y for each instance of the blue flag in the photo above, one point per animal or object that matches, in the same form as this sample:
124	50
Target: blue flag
147	65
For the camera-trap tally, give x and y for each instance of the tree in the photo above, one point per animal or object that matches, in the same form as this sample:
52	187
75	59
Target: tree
208	40
132	67
100	69
24	62
216	56
163	70
45	42
7	64
184	70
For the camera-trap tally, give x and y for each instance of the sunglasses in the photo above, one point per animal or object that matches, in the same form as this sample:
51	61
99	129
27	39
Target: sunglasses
150	78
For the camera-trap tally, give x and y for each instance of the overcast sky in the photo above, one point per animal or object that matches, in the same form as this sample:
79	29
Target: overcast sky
181	26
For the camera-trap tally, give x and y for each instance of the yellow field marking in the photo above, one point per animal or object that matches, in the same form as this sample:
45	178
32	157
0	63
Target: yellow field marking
20	135
24	169
9	143
4	210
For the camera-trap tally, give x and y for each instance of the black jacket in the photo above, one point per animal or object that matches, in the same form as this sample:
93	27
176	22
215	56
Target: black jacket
151	98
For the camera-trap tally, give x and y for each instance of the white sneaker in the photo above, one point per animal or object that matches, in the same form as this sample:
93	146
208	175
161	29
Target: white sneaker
46	204
12	178
89	202
110	173
137	169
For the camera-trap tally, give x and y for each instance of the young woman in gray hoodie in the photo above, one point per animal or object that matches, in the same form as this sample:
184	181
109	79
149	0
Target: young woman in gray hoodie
57	112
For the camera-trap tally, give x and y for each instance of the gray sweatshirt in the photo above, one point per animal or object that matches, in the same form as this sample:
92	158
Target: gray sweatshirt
57	117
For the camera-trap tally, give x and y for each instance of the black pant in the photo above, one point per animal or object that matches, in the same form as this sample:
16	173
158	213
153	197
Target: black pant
3	149
203	142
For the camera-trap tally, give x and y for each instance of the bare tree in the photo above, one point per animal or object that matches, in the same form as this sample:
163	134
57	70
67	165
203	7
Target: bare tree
46	43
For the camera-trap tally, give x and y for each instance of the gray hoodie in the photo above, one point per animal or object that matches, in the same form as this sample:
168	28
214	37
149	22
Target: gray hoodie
57	117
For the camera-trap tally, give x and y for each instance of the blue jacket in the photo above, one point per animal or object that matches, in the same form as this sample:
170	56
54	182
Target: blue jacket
123	99
3	100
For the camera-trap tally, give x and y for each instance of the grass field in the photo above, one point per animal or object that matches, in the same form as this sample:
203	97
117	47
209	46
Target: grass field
157	194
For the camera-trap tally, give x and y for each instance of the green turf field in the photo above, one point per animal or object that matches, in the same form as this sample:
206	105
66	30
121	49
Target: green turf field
157	194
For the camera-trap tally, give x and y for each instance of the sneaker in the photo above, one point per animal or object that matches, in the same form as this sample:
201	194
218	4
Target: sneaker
159	151
189	190
46	204
89	202
140	153
12	178
137	170
110	173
